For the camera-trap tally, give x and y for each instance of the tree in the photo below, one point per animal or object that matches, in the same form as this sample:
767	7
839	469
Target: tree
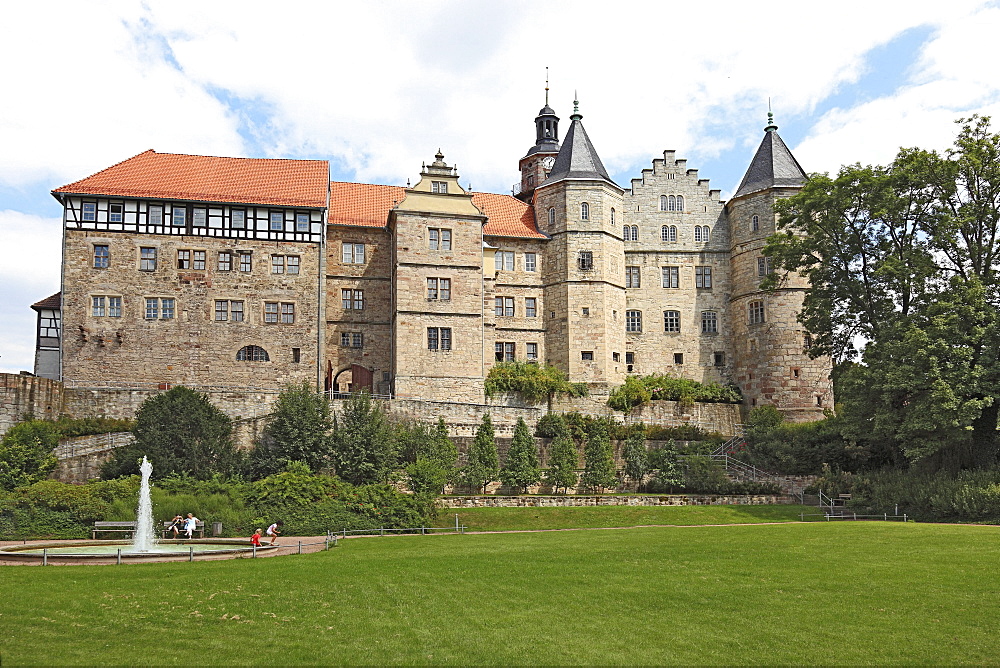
363	448
906	257
534	382
179	431
26	453
663	461
521	468
434	459
563	460
635	455
599	458
298	431
482	466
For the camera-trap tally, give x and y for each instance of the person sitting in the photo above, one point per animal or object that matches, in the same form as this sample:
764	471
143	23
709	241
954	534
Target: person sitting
255	538
175	525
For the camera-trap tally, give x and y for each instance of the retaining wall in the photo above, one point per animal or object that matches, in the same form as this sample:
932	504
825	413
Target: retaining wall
570	501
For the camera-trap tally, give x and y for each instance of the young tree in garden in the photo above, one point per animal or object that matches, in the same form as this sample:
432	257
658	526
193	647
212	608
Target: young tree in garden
663	462
298	431
364	449
635	455
906	257
482	466
179	431
563	460
434	461
521	468
26	453
598	458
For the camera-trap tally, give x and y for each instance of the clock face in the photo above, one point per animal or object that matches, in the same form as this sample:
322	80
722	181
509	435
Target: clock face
548	162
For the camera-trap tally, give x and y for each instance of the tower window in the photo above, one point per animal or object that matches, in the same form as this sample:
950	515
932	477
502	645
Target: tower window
668	233
719	358
353	253
663	203
101	256
709	322
763	266
755	223
585	260
630	233
612	215
552	216
680	202
584	211
755	313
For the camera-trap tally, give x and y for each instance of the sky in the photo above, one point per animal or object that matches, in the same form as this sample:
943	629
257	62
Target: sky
377	87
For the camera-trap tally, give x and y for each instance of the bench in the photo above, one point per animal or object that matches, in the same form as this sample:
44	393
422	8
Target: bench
199	529
113	527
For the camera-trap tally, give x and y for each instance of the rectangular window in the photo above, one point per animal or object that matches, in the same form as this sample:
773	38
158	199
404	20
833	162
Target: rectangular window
587	355
178	216
503	261
114	307
530	262
155	214
147	259
531	351
504	351
101	256
672	321
288	314
296	355
152	308
585	260
199	217
763	266
353	253
277	221
445	289
236	311
166	309
671	277
709	322
352	300
98	307
719	358
351	339
183	259
90	210
530	307
630	358
439	186
504	307
755	312
292	264
631	277
277	264
439	238
270	311
246	261
678	358
221	310
199	260
302	222
237	219
159	308
115	213
446	240
432	288
703	277
225	261
633	321
439	338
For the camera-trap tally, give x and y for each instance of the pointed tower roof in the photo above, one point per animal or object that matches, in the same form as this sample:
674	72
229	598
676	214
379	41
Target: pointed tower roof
773	165
578	158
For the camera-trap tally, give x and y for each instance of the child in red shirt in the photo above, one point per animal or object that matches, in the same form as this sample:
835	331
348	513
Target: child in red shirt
255	538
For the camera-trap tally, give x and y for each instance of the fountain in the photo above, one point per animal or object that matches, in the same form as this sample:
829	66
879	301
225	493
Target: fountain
144	539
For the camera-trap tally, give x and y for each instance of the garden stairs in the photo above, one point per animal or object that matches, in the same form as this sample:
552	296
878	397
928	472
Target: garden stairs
743	472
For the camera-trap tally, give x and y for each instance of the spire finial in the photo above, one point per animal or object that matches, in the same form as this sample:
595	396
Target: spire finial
546	85
771	127
576	108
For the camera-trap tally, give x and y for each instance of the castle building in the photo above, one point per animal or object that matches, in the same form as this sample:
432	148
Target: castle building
212	271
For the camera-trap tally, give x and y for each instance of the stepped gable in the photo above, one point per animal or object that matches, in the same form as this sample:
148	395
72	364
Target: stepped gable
174	176
368	205
50	302
578	158
772	165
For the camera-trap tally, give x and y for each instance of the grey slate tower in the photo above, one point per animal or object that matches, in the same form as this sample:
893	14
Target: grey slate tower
576	206
770	364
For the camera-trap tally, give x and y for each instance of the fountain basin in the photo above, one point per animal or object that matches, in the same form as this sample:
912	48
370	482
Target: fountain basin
87	550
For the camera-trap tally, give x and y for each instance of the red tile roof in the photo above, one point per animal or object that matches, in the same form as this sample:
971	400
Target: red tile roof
211	179
50	302
368	205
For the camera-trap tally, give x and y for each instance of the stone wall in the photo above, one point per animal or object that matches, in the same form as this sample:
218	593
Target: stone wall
21	394
576	501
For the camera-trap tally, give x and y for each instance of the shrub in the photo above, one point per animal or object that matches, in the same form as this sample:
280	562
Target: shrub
639	390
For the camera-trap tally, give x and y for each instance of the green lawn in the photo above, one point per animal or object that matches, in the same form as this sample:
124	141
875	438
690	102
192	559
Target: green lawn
815	593
519	519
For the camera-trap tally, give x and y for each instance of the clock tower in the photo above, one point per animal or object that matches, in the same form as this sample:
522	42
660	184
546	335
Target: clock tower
538	161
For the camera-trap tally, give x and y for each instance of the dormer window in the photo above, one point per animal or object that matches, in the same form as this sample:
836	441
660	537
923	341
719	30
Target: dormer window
439	186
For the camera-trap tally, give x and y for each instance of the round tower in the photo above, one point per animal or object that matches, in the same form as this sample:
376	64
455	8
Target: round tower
537	163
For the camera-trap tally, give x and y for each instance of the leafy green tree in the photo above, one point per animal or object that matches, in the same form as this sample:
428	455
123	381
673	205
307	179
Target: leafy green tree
599	459
633	393
551	425
435	457
521	468
563	460
364	449
299	431
668	474
763	420
635	455
534	382
26	453
482	466
179	431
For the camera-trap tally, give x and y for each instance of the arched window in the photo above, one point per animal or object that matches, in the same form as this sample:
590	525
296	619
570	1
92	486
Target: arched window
663	202
706	233
697	232
252	354
612	215
584	211
668	233
672	203
680	202
755	223
552	216
630	233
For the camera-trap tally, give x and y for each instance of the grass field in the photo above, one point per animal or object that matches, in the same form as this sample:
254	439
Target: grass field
814	593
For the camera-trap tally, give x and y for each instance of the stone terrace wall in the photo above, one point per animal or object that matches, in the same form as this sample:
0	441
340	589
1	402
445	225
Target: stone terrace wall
574	501
21	394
